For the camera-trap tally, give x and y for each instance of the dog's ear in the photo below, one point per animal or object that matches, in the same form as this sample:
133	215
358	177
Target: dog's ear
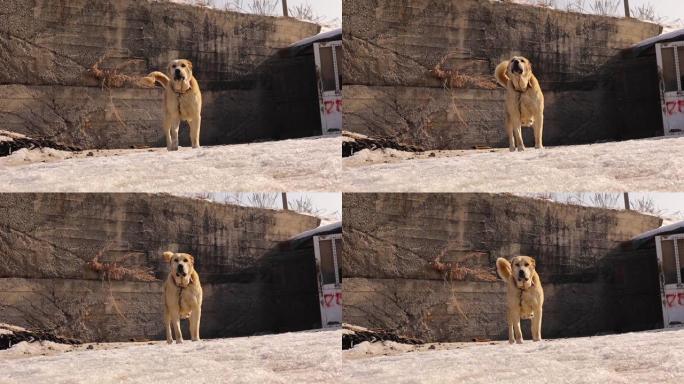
192	259
189	64
167	256
533	262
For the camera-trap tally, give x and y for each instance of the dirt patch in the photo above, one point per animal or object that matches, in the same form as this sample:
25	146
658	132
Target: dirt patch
354	143
355	335
11	335
11	142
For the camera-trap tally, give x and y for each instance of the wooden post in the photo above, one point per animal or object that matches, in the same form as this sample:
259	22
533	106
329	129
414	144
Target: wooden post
285	12
627	207
285	201
627	15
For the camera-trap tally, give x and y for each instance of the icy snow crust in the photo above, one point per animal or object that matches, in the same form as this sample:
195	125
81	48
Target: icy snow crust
644	357
304	357
311	164
636	165
316	357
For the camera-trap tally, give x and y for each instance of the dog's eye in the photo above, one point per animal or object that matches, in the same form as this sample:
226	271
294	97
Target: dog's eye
527	264
183	65
517	265
185	260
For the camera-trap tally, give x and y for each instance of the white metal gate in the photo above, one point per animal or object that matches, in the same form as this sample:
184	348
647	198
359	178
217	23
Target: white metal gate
670	58
328	58
328	250
670	250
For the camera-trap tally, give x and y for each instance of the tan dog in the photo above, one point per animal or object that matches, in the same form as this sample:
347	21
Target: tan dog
524	295
182	101
182	295
524	101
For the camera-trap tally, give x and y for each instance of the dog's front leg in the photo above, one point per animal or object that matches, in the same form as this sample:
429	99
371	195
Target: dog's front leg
167	323
517	130
171	126
509	132
195	317
518	332
511	333
536	325
177	330
195	131
539	131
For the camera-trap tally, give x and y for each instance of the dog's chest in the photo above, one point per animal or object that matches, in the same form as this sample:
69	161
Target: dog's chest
527	107
528	302
184	105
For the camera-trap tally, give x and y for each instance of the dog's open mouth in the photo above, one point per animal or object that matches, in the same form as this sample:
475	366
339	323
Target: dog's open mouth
517	68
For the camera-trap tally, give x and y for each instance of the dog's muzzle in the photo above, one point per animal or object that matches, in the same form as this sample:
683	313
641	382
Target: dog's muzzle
178	75
516	67
521	276
180	271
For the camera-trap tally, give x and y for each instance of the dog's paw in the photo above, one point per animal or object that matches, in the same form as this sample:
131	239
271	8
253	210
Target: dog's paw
519	341
169	342
179	341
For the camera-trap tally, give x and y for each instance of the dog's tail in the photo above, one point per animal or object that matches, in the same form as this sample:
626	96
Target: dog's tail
503	267
500	73
155	77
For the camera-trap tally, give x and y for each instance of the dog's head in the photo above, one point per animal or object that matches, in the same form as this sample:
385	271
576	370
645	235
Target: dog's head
181	266
522	268
180	73
519	68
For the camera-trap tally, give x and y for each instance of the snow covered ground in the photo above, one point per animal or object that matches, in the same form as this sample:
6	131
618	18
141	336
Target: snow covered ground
636	165
644	357
316	357
302	357
311	164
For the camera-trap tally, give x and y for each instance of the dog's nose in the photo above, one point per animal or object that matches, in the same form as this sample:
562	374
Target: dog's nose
521	274
180	269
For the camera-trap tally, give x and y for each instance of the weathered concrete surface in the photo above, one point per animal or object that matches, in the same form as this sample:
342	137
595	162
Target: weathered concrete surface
391	239
46	241
393	45
49	47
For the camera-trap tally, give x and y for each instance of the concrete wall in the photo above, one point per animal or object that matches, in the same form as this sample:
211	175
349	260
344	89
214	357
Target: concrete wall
46	241
391	239
392	45
48	47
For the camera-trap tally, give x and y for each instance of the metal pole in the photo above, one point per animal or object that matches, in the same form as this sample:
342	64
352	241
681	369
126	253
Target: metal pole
626	8
627	207
285	12
285	201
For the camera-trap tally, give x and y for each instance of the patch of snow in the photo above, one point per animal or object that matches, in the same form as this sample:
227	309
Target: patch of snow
289	165
672	25
25	155
11	328
636	165
643	357
302	357
36	348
